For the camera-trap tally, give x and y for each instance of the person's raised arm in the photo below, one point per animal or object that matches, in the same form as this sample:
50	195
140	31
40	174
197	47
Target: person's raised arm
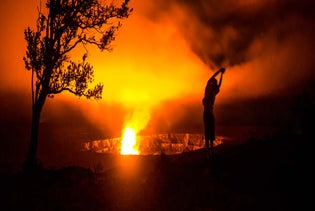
222	69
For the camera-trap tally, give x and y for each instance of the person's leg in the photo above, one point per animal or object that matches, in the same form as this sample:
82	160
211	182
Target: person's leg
207	148
211	146
207	143
212	133
206	133
207	140
209	132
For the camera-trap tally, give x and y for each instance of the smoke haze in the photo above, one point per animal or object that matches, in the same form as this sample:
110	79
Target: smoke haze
163	56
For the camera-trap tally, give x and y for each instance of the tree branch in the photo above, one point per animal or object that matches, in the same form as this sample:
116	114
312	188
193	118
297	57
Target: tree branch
72	47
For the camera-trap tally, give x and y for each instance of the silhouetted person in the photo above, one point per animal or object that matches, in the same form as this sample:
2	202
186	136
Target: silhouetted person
212	89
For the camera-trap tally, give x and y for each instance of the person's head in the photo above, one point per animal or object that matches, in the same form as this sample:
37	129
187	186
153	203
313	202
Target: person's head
213	81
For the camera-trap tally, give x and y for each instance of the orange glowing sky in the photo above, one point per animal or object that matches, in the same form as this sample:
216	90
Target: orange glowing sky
148	65
154	78
167	50
153	59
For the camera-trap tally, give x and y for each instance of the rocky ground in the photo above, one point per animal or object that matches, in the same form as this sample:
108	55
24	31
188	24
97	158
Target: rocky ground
274	173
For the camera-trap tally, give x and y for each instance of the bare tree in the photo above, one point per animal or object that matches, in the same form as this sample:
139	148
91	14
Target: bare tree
62	27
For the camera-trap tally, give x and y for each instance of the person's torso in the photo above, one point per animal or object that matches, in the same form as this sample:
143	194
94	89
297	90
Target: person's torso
210	94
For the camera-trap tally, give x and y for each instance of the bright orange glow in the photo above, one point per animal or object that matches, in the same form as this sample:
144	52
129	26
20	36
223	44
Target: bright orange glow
135	122
156	63
148	65
129	142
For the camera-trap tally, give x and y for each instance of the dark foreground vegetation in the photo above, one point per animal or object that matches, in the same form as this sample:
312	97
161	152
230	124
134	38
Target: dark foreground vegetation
274	173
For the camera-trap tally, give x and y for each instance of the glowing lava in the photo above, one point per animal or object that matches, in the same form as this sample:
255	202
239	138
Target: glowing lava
129	143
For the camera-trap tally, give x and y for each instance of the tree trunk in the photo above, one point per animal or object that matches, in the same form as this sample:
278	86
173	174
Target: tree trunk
31	164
